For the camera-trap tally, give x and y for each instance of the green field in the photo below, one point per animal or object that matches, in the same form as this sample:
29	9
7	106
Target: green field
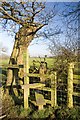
50	61
4	61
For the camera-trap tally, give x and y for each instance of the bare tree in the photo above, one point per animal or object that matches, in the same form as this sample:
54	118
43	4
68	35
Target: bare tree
65	49
73	25
29	17
25	19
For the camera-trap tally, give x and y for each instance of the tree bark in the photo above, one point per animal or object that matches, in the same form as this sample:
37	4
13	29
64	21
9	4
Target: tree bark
22	40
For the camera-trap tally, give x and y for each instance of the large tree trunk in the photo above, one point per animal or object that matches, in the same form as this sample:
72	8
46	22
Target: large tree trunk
22	41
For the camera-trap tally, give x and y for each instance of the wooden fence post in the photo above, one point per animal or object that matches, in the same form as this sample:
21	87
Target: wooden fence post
26	67
26	78
54	90
26	104
70	85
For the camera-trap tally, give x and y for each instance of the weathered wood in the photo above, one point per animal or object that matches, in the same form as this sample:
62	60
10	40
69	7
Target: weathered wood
34	85
12	66
40	107
70	85
26	104
76	81
76	77
45	89
76	94
32	75
26	67
38	75
26	78
26	88
46	101
3	116
33	102
54	90
40	100
14	86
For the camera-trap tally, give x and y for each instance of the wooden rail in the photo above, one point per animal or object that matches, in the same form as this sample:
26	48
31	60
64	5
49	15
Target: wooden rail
34	85
76	94
76	81
45	89
46	101
38	75
11	66
76	77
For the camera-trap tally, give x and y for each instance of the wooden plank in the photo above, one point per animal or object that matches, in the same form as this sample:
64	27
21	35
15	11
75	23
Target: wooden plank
34	85
76	81
3	116
11	66
40	107
38	75
26	104
14	86
33	75
39	99
45	89
33	102
48	101
76	77
76	94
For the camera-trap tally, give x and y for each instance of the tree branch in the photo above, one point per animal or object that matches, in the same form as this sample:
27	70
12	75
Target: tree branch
8	16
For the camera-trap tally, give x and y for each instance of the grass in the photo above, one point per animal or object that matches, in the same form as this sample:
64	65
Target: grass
50	61
37	60
4	61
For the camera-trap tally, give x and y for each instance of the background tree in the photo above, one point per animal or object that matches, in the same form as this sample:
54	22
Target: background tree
66	49
68	46
73	25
